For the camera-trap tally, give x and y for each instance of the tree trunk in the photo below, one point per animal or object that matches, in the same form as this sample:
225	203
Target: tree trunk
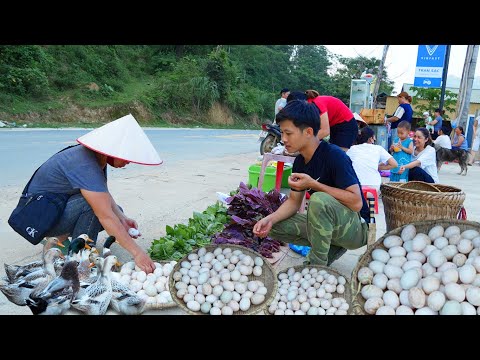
379	76
465	92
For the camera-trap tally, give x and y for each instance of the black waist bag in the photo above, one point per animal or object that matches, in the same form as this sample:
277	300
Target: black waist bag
36	214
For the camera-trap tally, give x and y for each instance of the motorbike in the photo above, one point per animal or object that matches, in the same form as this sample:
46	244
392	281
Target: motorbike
269	137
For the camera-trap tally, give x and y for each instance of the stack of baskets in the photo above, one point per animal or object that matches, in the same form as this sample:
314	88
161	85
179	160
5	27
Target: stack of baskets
417	200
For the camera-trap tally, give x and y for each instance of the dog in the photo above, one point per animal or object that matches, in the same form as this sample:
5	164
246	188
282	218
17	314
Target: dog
444	154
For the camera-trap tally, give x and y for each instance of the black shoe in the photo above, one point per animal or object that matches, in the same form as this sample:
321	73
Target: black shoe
469	164
335	253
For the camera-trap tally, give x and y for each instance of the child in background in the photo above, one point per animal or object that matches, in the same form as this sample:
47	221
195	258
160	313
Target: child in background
402	148
428	120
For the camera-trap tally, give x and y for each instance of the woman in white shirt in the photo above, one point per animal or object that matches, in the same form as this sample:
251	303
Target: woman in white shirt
476	140
443	139
368	158
424	159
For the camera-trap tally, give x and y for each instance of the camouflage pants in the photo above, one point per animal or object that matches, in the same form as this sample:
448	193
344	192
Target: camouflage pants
326	223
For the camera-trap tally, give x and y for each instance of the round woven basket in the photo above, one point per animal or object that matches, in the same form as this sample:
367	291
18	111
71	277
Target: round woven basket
267	277
161	306
419	185
358	301
405	203
347	295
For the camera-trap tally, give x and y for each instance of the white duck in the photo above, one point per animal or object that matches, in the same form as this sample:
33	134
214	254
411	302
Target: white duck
94	300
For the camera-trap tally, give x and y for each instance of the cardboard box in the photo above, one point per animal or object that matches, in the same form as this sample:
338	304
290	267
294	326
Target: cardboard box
373	116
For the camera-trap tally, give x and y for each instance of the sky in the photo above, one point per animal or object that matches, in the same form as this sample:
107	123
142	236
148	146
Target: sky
401	61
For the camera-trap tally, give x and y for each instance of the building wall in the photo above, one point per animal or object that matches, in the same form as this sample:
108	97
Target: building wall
392	104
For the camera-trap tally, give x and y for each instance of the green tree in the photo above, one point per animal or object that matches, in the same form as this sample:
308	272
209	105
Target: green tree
23	69
310	65
432	98
352	68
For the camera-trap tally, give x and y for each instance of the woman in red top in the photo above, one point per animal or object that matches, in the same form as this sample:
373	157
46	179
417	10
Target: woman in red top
336	120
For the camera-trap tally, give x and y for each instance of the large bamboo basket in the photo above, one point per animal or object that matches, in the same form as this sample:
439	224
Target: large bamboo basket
347	295
268	278
417	201
358	301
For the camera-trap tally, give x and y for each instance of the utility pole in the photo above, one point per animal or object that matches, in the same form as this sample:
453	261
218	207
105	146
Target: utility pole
444	77
465	92
379	76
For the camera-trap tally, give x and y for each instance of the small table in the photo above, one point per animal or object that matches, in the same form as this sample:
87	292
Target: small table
281	160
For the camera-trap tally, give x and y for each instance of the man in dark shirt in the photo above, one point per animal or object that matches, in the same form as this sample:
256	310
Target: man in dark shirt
337	215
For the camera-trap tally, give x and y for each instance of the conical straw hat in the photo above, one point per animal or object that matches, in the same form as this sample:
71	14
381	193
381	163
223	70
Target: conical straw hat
122	139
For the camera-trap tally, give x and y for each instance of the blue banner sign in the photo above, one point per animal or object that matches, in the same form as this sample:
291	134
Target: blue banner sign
429	69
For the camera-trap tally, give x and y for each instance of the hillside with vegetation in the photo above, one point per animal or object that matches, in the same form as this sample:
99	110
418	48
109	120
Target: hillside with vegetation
165	85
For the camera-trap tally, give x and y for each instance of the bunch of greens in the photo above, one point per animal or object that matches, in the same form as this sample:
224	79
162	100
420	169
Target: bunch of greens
182	239
248	206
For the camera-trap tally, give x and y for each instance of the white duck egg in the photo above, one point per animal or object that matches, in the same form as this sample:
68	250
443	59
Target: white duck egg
379	280
436	232
408	232
427	269
397	261
476	242
468	309
473	295
451	230
416	298
428	250
193	305
464	246
245	304
470	234
160	287
440	242
419	242
385	310
394	285
411	264
369	291
234	305
397	251
408	245
436	300
365	276
436	258
151	290
416	255
476	263
141	276
257	271
403	310
451	307
454	239
390	298
425	311
392	240
449	276
455	292
392	272
449	251
376	266
136	285
372	305
380	255
409	279
467	274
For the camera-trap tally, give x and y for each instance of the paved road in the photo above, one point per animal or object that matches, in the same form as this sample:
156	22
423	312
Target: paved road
22	151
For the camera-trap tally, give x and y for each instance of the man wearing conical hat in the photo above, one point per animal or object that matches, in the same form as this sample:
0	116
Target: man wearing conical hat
80	171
